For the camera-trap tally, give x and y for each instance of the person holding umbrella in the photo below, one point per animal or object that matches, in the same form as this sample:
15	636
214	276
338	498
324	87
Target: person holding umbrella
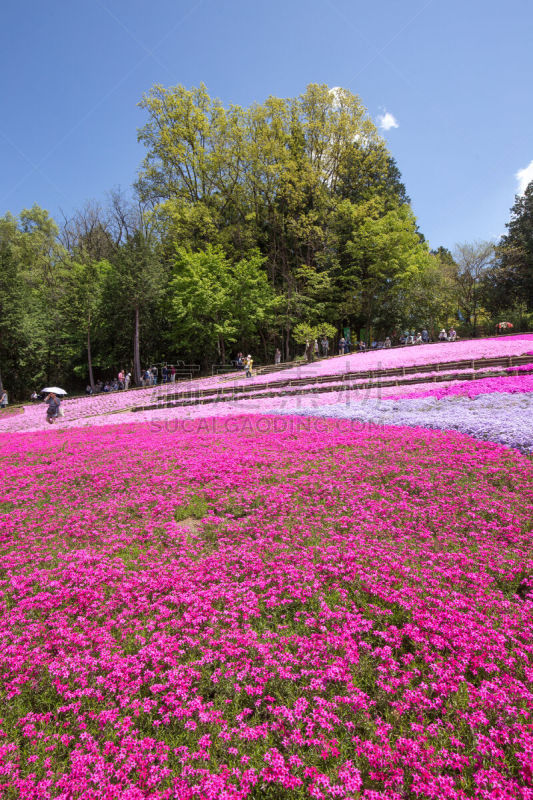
54	409
54	404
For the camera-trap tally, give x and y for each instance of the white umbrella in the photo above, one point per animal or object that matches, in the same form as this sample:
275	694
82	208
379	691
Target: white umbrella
54	389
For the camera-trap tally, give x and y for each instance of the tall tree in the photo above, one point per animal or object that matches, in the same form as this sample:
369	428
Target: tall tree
45	264
511	281
258	176
136	283
473	263
13	337
430	299
86	281
87	233
215	303
379	255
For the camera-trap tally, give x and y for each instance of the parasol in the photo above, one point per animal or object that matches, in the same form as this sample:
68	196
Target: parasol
54	390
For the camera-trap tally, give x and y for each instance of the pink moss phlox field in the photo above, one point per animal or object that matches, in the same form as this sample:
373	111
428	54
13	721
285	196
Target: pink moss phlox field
521	367
515	384
265	607
95	410
417	355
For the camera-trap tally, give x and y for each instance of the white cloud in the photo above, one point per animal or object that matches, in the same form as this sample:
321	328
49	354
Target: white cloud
336	91
524	177
387	121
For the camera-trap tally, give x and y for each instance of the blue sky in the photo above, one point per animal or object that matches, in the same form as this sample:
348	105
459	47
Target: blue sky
456	77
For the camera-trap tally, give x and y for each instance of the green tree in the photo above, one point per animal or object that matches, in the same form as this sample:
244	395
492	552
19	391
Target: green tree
135	284
306	334
473	263
44	264
380	258
13	334
430	298
511	281
202	303
261	176
86	282
216	303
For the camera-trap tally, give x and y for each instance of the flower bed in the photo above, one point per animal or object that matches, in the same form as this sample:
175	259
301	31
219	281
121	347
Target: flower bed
517	384
371	383
265	607
365	403
93	410
498	417
417	355
521	367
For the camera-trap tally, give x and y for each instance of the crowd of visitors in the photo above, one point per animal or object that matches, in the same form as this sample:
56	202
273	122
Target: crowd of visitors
123	381
408	338
313	349
345	345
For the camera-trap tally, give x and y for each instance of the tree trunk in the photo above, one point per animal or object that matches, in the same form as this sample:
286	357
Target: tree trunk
89	358
287	340
136	350
265	348
369	326
222	350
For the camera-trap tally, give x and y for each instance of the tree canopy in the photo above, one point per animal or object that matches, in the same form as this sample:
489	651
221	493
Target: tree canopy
512	279
248	229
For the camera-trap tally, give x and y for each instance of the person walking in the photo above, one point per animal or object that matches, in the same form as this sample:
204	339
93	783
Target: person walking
317	349
325	346
277	356
248	365
54	404
342	342
3	399
172	374
127	380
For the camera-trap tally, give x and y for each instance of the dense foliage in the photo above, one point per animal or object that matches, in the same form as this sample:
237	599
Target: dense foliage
511	282
249	227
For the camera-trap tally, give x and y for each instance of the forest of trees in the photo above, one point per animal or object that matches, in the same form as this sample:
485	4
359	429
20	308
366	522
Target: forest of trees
246	229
